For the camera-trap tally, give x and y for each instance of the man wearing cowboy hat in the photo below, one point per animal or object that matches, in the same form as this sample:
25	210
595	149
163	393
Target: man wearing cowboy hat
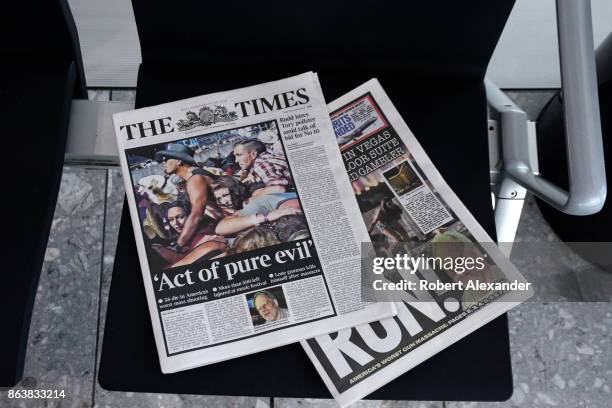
178	159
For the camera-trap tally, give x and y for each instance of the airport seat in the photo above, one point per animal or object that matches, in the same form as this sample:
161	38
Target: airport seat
430	57
41	72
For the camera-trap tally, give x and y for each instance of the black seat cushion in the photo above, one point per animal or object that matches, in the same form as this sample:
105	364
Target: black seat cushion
34	112
449	118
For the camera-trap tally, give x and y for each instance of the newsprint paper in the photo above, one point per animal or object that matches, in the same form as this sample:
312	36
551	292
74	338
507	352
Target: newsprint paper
244	240
407	208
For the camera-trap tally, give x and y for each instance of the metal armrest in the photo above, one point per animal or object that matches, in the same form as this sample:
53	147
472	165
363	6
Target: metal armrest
585	158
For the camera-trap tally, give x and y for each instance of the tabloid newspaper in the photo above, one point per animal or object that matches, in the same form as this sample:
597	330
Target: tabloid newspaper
408	209
244	240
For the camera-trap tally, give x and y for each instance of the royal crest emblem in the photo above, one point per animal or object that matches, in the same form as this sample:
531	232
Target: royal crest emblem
206	117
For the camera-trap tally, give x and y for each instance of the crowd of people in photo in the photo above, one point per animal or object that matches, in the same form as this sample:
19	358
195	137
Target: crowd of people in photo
242	202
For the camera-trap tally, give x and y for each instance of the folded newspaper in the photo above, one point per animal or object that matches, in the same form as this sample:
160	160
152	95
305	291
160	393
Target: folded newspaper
411	215
245	237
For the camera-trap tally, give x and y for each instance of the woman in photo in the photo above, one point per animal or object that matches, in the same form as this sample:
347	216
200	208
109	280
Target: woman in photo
242	211
205	243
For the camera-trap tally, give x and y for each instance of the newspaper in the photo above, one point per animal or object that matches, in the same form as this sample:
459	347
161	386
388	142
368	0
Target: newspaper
408	209
244	240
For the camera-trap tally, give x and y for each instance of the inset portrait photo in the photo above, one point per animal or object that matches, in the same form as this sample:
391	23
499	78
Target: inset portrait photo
267	306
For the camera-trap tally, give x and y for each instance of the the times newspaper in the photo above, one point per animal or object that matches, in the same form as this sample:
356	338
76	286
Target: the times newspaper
408	209
244	239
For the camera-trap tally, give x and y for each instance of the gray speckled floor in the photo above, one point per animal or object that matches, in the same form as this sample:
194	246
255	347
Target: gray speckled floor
123	95
531	101
62	341
100	95
559	272
561	352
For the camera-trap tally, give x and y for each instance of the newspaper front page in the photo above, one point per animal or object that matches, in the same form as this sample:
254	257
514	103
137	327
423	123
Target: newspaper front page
244	240
408	209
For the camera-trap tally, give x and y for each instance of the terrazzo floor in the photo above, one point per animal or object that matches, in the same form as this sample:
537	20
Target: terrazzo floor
561	351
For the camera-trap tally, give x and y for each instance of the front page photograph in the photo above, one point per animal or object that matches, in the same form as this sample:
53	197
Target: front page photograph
236	239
